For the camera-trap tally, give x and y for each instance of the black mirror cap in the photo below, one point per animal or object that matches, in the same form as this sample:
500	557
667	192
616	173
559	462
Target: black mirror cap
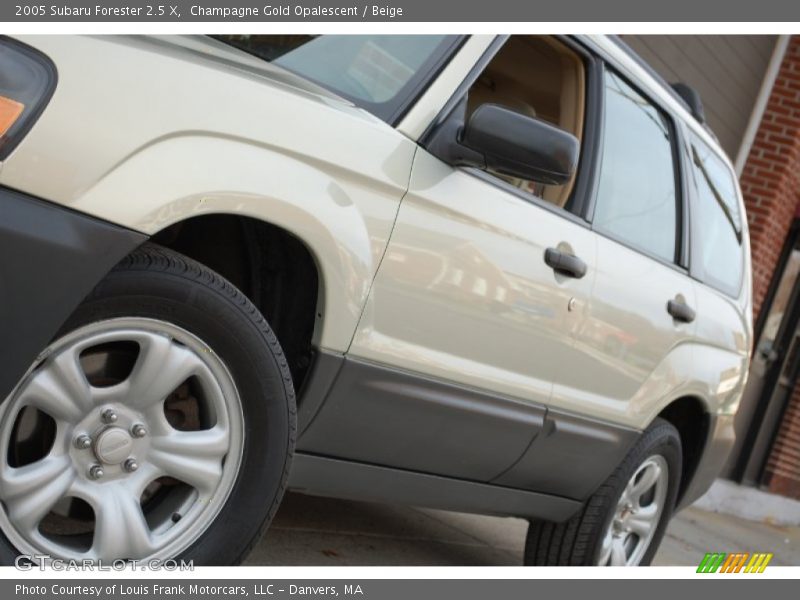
521	146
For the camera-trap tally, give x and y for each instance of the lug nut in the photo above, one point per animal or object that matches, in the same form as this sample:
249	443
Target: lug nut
83	442
109	416
130	465
96	472
138	431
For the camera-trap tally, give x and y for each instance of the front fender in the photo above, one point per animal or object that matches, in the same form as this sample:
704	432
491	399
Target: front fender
344	221
144	132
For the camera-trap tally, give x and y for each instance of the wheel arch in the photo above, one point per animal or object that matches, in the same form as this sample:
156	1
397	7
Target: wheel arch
277	271
689	415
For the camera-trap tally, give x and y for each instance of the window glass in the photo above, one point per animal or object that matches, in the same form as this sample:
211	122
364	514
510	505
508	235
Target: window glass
636	198
789	280
716	222
376	72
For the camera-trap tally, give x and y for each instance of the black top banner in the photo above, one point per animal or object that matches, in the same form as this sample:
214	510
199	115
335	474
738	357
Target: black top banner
400	10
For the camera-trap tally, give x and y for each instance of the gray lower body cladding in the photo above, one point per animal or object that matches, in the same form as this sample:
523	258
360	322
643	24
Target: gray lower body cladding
321	476
415	439
52	258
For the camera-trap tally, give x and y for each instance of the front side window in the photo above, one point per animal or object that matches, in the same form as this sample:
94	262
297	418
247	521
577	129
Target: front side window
637	201
717	249
380	73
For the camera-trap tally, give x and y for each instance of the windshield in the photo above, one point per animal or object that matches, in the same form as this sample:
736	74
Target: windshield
381	73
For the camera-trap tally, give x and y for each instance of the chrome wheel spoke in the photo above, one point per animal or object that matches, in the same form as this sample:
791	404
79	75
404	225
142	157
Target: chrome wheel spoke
162	365
194	457
206	443
605	549
650	474
120	528
618	556
60	389
31	491
138	481
644	520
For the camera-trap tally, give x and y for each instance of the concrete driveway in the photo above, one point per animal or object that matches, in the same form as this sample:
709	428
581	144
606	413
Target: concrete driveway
322	531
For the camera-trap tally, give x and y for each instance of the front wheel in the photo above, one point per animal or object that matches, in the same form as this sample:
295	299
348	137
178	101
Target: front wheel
159	424
623	522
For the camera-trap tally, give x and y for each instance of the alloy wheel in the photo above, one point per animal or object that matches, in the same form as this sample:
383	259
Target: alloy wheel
123	442
637	514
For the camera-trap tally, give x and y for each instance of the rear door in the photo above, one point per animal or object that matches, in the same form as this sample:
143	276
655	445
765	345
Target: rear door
642	312
719	250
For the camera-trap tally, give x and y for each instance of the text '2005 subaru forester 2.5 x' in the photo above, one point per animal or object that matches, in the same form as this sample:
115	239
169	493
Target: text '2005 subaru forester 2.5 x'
506	275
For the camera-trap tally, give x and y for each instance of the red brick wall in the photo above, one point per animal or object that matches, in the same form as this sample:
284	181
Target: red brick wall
771	176
771	188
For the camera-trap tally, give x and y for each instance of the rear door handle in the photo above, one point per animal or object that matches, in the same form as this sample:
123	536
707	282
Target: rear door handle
565	264
680	311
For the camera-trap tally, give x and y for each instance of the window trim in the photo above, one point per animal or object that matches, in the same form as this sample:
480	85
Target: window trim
679	261
686	208
587	178
452	102
525	196
418	86
694	266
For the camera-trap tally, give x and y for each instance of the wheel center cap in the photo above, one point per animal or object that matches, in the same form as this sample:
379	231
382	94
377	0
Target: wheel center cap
113	446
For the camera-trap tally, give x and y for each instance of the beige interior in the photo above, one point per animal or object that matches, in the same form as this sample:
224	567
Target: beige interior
539	77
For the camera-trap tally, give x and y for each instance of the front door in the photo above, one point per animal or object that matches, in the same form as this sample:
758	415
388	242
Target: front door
467	325
464	297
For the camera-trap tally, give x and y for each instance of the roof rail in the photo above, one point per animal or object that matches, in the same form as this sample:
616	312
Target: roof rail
680	91
692	100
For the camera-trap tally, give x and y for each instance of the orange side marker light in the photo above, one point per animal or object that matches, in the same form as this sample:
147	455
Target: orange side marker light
10	110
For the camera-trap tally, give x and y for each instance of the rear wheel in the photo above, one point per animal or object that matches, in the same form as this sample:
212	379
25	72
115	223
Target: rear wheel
624	521
159	424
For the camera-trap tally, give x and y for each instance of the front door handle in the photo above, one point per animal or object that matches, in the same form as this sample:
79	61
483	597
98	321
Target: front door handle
680	311
565	264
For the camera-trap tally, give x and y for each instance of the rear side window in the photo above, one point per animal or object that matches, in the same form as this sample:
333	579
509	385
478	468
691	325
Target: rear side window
717	249
637	202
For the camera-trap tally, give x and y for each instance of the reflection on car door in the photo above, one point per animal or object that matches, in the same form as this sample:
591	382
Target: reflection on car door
641	311
464	295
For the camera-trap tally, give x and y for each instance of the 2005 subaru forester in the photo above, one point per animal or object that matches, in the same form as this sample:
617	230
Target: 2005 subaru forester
506	275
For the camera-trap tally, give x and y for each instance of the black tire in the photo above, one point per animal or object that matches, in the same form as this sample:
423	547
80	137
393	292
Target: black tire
577	541
157	283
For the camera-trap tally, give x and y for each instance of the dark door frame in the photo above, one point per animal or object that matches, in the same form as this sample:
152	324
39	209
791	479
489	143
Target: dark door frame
754	453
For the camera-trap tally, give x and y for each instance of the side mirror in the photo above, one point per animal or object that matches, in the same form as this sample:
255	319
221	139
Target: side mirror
507	142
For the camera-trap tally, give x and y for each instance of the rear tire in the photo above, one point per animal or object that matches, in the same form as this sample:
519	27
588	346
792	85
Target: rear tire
167	304
615	523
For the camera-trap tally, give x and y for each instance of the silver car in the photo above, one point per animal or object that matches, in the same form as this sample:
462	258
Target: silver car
500	274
